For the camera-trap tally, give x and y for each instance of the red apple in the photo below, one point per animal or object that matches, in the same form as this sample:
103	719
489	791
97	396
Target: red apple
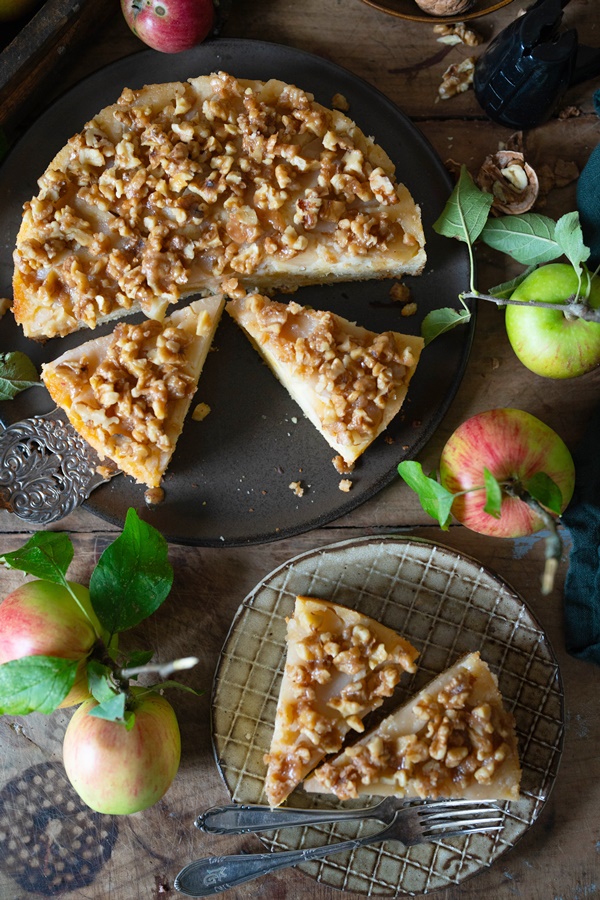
169	26
42	619
513	445
545	340
116	771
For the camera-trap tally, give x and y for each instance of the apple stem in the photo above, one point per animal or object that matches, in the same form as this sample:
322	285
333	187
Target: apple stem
572	309
162	670
554	543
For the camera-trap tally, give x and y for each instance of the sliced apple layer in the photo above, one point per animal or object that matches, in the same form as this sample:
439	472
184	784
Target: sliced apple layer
178	186
350	382
453	739
340	665
127	394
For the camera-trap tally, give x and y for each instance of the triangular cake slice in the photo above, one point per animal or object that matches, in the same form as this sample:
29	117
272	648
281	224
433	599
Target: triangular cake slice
453	739
350	382
127	394
340	665
178	186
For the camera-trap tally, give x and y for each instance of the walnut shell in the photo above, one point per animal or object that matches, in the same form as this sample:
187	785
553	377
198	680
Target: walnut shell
512	182
444	7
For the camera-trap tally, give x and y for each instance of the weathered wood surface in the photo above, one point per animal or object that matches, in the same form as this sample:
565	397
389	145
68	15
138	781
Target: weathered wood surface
137	857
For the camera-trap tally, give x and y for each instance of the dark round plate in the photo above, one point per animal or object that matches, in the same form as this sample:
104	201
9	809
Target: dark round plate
228	483
408	9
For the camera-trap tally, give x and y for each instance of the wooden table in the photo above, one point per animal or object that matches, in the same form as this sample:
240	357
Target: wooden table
560	856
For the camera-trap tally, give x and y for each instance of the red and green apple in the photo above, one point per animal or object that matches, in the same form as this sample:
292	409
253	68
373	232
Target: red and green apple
169	26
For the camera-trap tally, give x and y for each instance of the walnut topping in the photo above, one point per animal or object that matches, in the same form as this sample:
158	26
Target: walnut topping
145	370
458	743
296	488
457	34
157	200
354	374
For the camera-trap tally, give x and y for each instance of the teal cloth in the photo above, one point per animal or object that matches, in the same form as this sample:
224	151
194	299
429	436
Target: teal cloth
582	518
588	199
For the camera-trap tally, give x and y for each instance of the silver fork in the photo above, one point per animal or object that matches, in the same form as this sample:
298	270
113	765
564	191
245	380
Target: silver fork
249	819
412	824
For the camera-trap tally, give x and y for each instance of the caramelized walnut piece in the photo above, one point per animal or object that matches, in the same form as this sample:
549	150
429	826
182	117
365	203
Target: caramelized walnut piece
457	78
511	181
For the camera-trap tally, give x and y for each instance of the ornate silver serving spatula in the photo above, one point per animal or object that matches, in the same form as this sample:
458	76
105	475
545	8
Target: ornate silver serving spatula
46	469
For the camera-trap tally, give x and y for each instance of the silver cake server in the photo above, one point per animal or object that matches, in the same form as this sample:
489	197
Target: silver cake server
46	469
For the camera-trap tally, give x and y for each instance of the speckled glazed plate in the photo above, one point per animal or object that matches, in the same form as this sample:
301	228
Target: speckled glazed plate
228	482
445	604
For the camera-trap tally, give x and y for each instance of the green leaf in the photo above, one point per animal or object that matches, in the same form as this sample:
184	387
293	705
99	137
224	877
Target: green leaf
438	321
569	236
112	709
137	658
493	494
46	555
35	684
546	491
435	499
17	373
506	289
528	238
133	576
466	210
100	683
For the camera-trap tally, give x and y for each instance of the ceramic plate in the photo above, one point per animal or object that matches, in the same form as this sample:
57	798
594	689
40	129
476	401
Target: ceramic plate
229	479
408	9
446	605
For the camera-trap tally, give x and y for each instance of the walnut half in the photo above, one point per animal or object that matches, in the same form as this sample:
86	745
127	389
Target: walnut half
512	182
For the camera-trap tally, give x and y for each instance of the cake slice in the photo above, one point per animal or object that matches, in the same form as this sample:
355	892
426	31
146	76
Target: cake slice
350	382
454	739
127	394
340	665
180	185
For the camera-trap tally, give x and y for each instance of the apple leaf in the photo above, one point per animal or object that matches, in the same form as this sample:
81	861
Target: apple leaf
435	499
132	577
112	709
466	210
528	238
506	289
46	555
138	658
100	683
17	373
438	321
569	237
35	684
546	491
493	494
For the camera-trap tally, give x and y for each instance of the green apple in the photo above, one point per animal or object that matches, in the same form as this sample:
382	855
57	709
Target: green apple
14	9
545	340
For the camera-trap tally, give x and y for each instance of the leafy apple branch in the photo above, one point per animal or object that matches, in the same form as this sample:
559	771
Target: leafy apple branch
540	493
530	239
130	581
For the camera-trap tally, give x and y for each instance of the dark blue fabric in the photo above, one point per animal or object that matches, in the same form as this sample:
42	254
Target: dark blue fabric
582	518
588	199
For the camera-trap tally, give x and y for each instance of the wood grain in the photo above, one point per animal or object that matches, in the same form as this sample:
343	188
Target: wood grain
137	857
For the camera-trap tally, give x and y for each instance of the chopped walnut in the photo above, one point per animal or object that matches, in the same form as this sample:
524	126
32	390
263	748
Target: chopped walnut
409	309
345	485
457	34
569	112
341	466
296	487
457	78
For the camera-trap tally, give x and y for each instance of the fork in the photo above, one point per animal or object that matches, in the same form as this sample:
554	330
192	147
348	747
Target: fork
411	825
249	818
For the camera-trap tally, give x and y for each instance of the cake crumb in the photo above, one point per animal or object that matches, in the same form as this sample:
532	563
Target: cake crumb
296	487
338	101
409	309
400	292
4	305
345	485
201	410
